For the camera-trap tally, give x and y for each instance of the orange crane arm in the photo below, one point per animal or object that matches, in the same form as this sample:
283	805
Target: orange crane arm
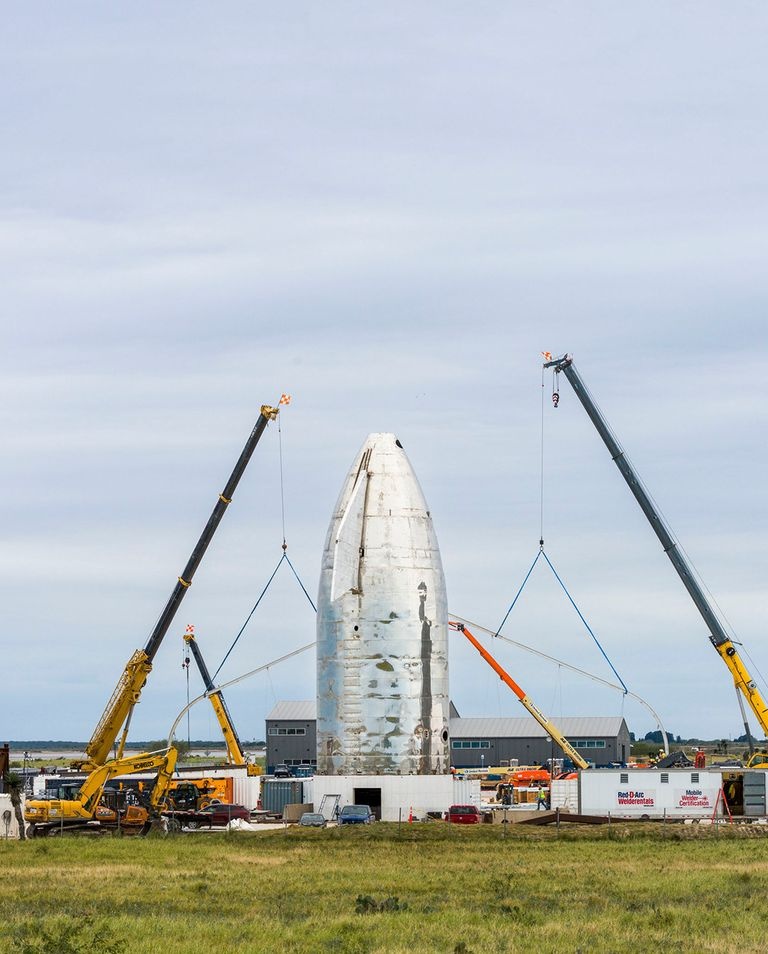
537	714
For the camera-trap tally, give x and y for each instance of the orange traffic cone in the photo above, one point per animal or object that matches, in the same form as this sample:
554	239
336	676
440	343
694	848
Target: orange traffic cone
410	815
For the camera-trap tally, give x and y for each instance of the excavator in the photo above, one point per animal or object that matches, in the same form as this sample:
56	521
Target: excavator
527	703
94	808
746	687
235	754
111	732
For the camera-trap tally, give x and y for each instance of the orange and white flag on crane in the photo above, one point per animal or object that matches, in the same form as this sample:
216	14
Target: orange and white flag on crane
547	355
285	399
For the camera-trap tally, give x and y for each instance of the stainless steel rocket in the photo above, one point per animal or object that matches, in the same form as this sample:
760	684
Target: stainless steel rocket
382	624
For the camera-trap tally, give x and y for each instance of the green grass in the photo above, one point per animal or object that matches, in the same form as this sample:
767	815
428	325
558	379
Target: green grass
625	888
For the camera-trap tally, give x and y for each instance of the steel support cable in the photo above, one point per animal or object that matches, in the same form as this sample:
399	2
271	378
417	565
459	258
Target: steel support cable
517	595
298	580
279	562
581	617
248	617
573	604
261	597
461	619
560	662
233	682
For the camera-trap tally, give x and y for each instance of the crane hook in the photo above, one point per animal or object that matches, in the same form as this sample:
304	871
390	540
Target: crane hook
555	398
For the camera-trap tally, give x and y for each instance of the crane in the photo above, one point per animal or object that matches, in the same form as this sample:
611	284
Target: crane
116	718
745	684
119	709
527	703
235	754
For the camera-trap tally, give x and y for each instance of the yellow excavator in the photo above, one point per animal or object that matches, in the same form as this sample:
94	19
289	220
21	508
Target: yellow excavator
111	732
90	809
746	687
235	754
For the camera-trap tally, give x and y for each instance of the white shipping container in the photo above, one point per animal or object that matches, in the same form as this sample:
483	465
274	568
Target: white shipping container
649	792
564	794
246	790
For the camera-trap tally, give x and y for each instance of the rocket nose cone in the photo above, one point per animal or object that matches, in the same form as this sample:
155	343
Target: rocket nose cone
381	440
382	461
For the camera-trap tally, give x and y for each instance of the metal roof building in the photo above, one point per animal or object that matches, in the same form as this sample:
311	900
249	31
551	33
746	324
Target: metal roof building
474	742
600	740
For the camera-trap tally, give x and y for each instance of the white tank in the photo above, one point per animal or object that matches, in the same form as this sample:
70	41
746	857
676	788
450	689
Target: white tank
382	625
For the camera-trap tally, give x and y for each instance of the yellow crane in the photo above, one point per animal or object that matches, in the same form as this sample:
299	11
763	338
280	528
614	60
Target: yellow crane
746	686
116	718
235	754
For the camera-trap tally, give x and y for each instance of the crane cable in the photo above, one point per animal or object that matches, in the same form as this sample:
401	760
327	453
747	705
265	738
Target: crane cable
477	627
555	402
541	469
283	558
233	682
282	488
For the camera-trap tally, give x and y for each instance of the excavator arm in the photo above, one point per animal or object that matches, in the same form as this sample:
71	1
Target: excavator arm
83	807
525	701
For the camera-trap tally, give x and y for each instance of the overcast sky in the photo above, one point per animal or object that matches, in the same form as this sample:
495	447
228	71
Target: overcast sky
387	211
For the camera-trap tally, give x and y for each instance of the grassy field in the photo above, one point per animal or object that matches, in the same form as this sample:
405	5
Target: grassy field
428	887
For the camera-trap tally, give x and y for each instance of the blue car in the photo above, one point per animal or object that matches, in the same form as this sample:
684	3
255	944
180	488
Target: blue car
356	815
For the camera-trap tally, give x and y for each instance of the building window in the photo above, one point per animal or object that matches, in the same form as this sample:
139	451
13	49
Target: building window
276	731
589	744
473	744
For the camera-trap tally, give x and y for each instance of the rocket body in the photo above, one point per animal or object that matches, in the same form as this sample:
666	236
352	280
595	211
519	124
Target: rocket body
382	624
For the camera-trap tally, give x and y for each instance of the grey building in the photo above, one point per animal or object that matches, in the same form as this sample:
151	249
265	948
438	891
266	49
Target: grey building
291	735
291	739
477	742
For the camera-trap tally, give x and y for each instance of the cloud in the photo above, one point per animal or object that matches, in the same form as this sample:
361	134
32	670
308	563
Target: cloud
389	213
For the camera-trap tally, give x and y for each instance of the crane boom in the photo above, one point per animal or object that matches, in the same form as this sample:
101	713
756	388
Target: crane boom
527	703
717	633
120	706
235	754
